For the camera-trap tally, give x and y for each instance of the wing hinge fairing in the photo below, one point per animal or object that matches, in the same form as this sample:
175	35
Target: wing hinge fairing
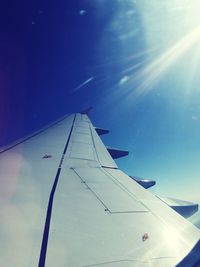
101	131
117	153
146	183
184	208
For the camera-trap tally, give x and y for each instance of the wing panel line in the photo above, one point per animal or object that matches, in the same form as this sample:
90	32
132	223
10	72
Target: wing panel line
94	143
44	244
106	208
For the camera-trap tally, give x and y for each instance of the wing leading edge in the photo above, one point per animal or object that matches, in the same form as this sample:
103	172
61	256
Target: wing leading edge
76	208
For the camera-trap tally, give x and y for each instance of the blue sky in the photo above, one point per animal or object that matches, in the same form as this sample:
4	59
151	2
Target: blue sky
135	62
153	109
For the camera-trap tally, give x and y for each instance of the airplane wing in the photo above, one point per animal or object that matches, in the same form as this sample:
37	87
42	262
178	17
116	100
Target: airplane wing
64	202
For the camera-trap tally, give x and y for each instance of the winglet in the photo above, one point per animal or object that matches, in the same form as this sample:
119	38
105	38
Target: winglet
86	111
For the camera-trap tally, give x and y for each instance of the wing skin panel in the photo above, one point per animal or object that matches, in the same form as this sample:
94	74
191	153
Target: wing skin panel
82	130
26	181
82	138
82	151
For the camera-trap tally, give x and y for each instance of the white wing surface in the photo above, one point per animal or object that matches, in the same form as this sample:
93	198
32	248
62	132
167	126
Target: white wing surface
64	202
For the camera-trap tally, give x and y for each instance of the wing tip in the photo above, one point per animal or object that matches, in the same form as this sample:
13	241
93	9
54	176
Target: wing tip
86	111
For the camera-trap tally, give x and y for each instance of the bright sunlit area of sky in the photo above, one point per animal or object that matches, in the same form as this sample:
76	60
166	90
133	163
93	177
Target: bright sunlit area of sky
154	103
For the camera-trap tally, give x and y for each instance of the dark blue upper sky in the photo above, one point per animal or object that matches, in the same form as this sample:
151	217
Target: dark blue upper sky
135	62
47	48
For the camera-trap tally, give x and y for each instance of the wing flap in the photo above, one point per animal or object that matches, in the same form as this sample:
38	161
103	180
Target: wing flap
101	185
